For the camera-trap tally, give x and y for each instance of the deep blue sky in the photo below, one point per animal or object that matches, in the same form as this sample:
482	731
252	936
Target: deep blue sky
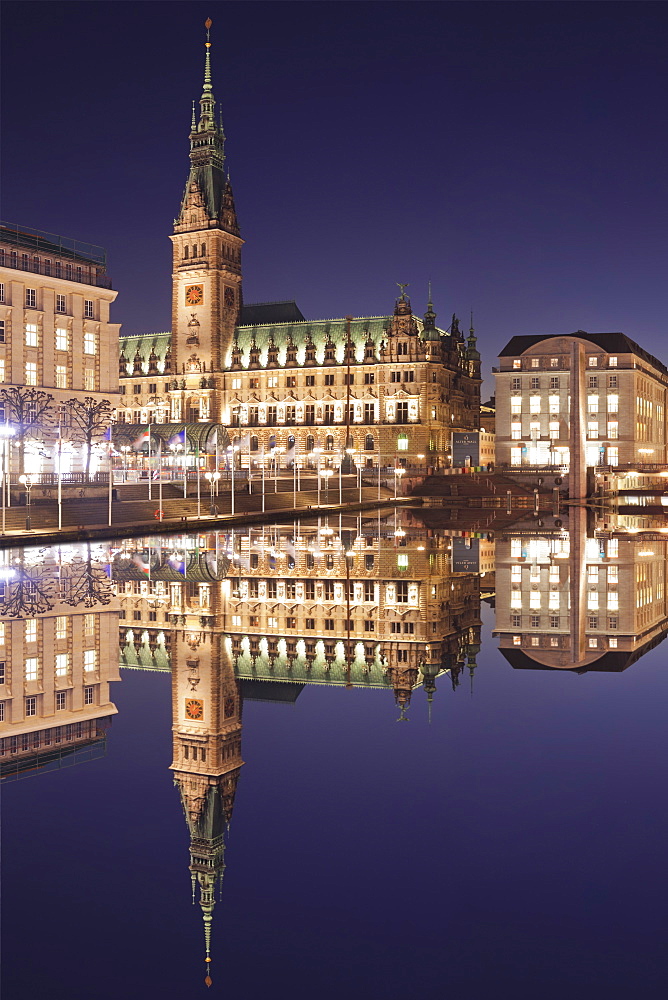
513	153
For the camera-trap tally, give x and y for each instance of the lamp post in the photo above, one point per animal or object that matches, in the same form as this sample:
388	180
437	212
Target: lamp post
5	433
398	473
27	482
212	479
125	448
326	475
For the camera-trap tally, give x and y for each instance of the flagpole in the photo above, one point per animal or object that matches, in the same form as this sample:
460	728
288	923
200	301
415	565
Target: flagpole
160	475
185	466
249	464
149	462
263	478
232	465
110	493
199	489
60	473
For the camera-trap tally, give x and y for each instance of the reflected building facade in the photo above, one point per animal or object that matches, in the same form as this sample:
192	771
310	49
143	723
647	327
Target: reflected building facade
58	634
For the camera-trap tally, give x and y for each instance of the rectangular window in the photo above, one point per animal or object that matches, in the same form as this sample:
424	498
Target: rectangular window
516	383
62	664
310	623
272	381
402	442
613	430
2	369
61	339
31	335
89	380
31	667
613	403
31	298
369	626
553	404
31	706
291	381
517	363
89	342
2	671
88	695
535	621
329	378
554	621
535	383
612	381
612	362
554	382
61	304
592	382
516	432
31	630
89	624
554	362
592	430
2	331
593	362
2	711
88	308
369	378
534	404
61	701
31	373
329	624
2	291
402	592
515	404
61	377
535	362
554	429
402	560
592	404
90	659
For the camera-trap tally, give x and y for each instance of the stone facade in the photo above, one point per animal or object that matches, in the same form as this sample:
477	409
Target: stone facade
55	333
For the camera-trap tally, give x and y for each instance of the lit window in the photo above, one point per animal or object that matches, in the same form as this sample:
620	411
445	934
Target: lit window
592	404
31	335
31	373
516	573
592	600
89	343
31	298
402	560
62	664
90	659
516	431
613	430
517	363
613	574
88	308
61	627
554	429
593	643
592	430
31	630
515	404
553	404
535	362
612	642
2	369
89	380
272	622
593	362
534	404
613	403
402	442
554	362
515	456
236	383
272	381
613	455
31	666
236	621
516	599
613	600
612	362
535	640
534	599
61	377
517	640
61	339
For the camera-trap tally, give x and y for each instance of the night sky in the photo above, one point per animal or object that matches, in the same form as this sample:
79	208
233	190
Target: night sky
513	153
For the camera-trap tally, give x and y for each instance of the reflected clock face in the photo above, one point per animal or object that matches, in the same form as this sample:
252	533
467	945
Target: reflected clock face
194	708
194	295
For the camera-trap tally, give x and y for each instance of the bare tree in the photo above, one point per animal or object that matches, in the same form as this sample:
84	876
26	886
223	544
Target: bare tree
88	582
30	413
29	592
88	420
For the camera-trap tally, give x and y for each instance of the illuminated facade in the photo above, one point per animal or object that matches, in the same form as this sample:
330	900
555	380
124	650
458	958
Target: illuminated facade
567	403
58	656
386	389
56	337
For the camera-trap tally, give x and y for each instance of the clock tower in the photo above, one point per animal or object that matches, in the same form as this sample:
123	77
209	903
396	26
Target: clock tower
206	271
206	712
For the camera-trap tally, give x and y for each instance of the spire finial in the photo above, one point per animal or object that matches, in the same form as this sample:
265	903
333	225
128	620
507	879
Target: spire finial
207	60
472	330
429	302
193	123
403	286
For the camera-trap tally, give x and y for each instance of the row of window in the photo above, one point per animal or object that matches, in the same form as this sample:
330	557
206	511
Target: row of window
329	625
62	338
554	430
593	361
555	383
555	404
31	301
46	266
30	373
62	624
31	667
61	701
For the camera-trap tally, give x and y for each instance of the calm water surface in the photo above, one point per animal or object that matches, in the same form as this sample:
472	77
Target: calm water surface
507	836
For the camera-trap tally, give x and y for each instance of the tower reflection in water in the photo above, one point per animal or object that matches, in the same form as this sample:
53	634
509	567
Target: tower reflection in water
259	614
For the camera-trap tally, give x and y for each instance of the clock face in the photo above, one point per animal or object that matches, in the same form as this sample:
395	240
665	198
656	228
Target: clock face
194	708
229	297
194	295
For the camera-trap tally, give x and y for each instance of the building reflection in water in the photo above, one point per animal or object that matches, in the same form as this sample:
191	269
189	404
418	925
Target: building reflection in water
263	612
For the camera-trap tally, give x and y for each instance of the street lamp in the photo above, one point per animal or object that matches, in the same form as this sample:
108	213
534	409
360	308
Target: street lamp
27	482
125	448
397	475
326	475
212	479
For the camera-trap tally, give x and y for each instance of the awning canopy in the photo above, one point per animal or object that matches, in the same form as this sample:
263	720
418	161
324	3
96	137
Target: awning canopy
195	436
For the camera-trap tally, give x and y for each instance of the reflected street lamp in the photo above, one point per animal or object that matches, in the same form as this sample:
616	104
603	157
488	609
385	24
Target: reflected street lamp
212	479
398	473
27	482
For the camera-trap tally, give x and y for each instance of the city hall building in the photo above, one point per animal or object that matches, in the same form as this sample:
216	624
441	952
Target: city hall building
387	390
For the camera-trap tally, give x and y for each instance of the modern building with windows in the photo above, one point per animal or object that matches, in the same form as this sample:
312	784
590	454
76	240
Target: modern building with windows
568	403
57	339
387	390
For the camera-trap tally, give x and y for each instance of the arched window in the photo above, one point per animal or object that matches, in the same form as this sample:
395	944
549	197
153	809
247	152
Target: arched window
369	443
329	443
195	250
203	249
310	443
186	252
254	444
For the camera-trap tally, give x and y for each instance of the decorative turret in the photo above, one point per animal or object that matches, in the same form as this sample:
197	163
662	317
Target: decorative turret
137	364
472	353
168	362
429	331
153	363
123	365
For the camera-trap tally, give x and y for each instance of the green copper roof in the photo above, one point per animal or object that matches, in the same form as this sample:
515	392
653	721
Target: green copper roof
144	343
362	329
